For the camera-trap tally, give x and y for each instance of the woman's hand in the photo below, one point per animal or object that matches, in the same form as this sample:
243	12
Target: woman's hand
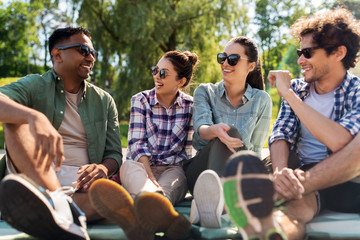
145	161
219	130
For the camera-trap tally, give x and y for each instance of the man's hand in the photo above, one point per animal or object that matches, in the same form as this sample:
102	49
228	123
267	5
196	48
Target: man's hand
48	142
288	183
282	79
90	173
220	130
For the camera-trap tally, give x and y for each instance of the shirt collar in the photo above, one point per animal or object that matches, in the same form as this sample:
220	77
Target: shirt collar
60	84
305	87
344	85
154	100
248	93
347	81
246	97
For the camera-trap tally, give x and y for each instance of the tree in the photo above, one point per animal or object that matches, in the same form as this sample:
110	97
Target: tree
47	18
274	19
133	34
21	24
15	33
352	5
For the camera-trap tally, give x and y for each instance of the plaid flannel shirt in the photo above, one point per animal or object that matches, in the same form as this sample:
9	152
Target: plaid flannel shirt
165	135
346	110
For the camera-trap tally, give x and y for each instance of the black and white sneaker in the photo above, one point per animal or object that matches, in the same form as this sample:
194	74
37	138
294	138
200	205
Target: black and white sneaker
39	212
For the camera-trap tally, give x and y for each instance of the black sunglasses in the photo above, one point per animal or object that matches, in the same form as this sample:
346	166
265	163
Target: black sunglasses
232	59
307	52
155	70
83	50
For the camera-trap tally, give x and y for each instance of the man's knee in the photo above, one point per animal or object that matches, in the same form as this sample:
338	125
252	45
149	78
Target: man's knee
302	210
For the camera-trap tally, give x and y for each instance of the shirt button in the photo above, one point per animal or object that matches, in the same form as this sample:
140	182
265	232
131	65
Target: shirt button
62	91
61	112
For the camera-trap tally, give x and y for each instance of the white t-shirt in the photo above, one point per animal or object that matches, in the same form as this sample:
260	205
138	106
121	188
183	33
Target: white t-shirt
311	150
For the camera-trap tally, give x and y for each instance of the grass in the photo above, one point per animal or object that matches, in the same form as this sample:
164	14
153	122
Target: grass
124	126
275	108
4	81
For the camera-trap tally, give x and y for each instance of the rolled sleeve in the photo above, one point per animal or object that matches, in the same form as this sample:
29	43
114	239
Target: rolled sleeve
137	129
285	126
201	108
351	119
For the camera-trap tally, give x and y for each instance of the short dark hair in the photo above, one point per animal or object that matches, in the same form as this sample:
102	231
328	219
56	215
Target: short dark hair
184	63
330	29
63	34
255	78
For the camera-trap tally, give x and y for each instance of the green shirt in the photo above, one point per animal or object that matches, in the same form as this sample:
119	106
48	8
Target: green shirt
97	110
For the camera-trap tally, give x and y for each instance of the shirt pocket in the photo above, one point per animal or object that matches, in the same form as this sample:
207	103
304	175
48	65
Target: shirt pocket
151	132
178	134
246	125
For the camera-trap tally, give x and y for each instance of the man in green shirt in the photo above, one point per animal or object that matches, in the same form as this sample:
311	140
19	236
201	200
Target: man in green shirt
71	139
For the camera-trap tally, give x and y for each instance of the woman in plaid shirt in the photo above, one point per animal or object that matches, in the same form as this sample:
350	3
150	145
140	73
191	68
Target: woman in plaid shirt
160	130
159	140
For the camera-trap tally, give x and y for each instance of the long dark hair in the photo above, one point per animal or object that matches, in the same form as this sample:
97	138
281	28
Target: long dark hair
255	77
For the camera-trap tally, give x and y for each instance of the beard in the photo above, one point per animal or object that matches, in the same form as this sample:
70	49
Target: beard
317	74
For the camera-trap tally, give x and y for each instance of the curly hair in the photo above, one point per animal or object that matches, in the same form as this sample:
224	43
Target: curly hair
330	29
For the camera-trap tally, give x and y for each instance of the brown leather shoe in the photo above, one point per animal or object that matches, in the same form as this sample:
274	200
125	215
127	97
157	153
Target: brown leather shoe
155	213
114	203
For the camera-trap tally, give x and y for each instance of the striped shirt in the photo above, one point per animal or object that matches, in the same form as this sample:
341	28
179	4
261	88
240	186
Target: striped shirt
160	133
346	109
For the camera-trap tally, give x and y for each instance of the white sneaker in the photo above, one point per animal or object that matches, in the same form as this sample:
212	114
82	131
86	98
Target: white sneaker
39	212
208	203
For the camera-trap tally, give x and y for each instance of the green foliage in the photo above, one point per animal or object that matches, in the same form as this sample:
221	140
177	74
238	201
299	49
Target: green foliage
352	5
124	127
274	18
13	39
4	81
276	101
133	35
21	23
